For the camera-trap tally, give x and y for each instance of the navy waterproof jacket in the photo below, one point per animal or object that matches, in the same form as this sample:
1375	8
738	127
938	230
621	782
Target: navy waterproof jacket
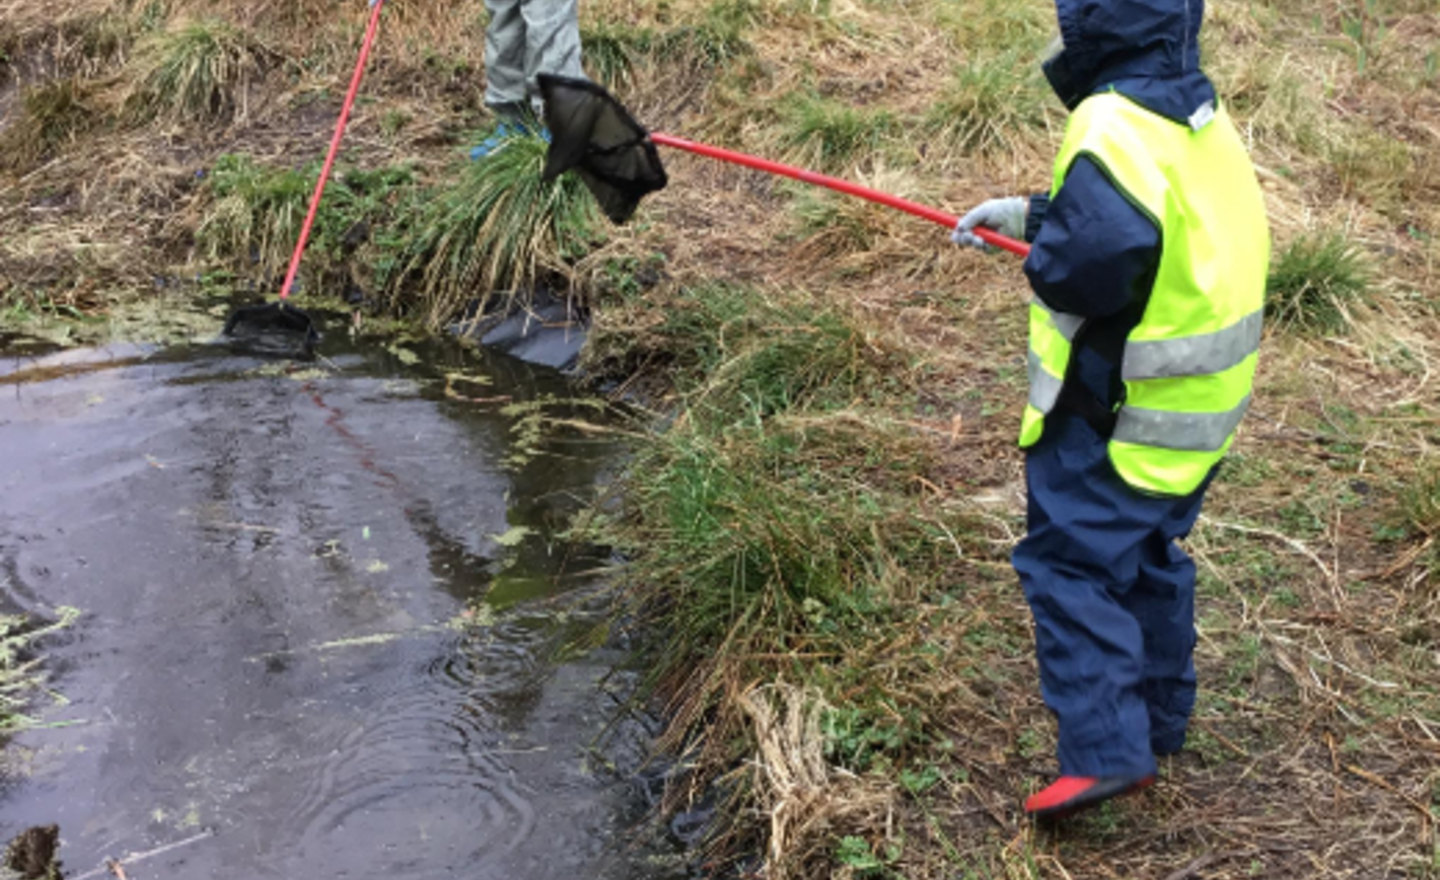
1094	254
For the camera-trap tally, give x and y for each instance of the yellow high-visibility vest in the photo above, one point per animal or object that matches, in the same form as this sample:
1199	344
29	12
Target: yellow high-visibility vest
1189	365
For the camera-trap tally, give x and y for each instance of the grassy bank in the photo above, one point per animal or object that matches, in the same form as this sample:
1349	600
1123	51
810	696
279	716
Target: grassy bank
821	533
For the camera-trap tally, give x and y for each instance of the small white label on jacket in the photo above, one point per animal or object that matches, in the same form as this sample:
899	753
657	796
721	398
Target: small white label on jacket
1202	117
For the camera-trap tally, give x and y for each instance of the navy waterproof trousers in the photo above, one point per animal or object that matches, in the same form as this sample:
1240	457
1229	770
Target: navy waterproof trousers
1113	597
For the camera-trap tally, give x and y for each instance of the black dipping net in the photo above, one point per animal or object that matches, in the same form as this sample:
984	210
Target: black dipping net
593	135
275	329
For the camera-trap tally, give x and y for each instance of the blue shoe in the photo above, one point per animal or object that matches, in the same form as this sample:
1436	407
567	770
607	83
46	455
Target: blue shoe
504	132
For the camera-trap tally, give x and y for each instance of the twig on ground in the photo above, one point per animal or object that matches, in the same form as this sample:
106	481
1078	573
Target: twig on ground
1193	869
140	857
1278	536
1222	739
1378	781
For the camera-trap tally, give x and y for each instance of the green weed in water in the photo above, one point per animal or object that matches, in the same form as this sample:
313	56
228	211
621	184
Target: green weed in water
20	680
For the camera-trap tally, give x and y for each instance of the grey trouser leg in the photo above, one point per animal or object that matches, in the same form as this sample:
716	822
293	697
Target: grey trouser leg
527	37
504	53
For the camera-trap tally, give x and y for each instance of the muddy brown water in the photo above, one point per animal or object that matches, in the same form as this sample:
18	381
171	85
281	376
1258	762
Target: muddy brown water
324	619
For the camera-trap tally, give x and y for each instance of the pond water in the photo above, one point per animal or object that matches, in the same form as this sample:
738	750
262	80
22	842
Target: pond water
327	625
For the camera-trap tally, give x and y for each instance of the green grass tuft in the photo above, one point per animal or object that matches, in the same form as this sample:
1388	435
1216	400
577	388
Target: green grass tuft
841	221
612	51
1419	513
999	23
831	134
1315	281
495	227
773	515
735	15
488	226
256	215
705	45
255	218
992	105
198	71
1277	102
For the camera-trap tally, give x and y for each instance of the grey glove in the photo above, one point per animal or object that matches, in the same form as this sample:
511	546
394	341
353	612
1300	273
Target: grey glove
1005	216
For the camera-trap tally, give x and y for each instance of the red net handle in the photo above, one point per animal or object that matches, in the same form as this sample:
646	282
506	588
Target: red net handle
949	221
349	105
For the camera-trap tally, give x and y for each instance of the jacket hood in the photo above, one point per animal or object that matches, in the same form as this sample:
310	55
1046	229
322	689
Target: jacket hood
1149	44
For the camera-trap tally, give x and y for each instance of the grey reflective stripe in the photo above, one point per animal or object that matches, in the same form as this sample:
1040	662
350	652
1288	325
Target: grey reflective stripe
1186	432
1044	388
1201	355
1068	325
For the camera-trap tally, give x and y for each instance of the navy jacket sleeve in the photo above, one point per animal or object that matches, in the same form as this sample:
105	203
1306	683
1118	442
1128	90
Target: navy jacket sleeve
1093	249
1035	217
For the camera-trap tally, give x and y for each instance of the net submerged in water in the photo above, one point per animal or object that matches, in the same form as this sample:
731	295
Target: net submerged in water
274	329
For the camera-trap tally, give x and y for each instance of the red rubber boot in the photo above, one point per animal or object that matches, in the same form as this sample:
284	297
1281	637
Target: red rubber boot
1069	794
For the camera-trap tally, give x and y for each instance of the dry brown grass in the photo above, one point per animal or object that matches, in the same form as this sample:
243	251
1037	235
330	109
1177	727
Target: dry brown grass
806	799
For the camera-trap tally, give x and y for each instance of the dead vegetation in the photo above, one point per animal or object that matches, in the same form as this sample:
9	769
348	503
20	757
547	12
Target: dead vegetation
825	530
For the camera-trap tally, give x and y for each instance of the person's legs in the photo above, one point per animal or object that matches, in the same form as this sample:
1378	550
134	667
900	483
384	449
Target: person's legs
505	82
552	39
1163	601
1081	554
505	56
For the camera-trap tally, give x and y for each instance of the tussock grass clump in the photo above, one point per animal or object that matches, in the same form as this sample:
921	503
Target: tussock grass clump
705	45
51	116
62	38
836	225
487	227
198	71
1419	514
1000	23
1371	167
1315	281
612	51
774	515
257	213
763	356
714	37
832	134
993	105
494	227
